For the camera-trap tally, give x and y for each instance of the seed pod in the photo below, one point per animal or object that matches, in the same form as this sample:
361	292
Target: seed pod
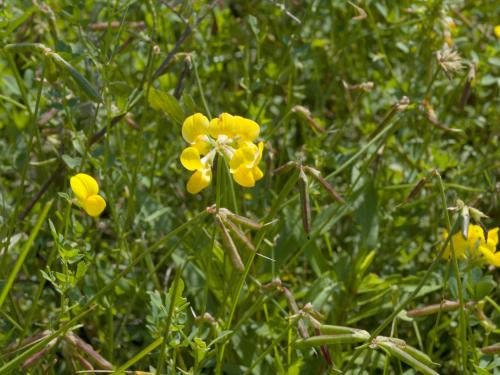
416	189
327	329
420	356
38	355
468	84
491	349
346	338
237	231
465	222
230	246
285	167
433	309
399	353
76	341
307	115
304	201
240	219
85	364
317	176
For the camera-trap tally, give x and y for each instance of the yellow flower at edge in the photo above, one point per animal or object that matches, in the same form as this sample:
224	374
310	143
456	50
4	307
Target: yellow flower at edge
231	137
476	245
86	191
496	30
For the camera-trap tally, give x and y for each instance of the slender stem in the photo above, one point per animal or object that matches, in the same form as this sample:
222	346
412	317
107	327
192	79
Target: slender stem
290	184
202	94
456	271
24	253
172	306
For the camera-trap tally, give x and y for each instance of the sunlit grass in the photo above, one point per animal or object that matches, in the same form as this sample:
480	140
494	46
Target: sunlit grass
343	221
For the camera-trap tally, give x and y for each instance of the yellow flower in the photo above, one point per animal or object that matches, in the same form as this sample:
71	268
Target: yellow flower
86	191
244	164
192	161
476	245
229	136
496	30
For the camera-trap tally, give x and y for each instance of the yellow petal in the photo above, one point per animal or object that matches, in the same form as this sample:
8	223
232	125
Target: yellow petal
194	126
202	145
94	205
190	159
247	129
490	257
492	238
261	148
199	181
257	173
459	244
83	186
244	177
222	125
497	31
245	156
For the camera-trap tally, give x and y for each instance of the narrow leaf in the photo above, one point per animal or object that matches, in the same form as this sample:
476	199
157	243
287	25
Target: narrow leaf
165	102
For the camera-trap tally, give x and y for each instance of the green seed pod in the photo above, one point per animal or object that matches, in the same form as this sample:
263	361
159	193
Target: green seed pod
239	233
304	201
327	329
230	246
245	221
416	189
420	356
347	338
409	359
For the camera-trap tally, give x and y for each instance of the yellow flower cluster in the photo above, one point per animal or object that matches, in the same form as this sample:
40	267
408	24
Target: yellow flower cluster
476	245
232	137
87	193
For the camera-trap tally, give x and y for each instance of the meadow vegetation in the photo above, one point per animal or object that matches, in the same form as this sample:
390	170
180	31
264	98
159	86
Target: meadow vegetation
249	187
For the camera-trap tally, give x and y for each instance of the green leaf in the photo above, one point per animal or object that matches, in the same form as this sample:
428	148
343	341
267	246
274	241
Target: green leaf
483	287
80	80
165	102
367	215
71	162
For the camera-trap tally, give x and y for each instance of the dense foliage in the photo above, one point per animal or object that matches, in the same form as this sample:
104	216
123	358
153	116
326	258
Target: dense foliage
379	123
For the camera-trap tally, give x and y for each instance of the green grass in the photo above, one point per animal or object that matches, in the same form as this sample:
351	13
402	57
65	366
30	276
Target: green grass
371	135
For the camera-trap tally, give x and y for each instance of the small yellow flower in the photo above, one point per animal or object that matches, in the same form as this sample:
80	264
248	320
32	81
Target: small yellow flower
229	136
496	30
86	191
476	245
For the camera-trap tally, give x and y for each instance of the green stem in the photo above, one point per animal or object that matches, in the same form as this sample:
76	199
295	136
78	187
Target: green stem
169	319
456	271
363	149
402	305
200	87
24	253
290	184
139	355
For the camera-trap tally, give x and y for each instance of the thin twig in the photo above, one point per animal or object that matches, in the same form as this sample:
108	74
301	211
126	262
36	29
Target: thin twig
187	31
